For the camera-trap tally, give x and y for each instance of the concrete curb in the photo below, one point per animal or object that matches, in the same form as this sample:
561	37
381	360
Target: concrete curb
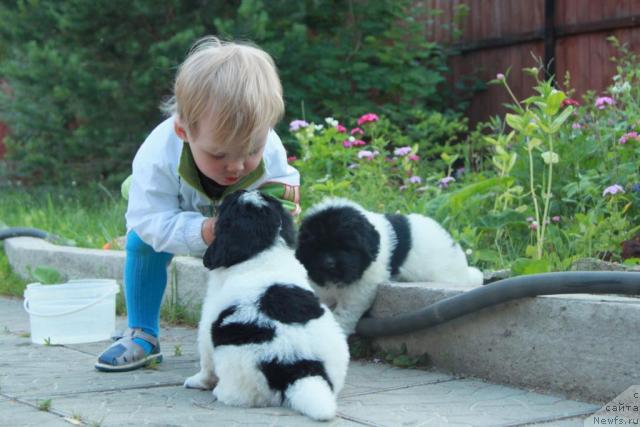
586	347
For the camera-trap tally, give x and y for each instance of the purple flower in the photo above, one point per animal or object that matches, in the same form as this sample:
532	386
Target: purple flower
402	151
576	126
500	76
346	143
555	218
415	179
366	154
296	125
444	182
613	189
627	136
603	101
636	188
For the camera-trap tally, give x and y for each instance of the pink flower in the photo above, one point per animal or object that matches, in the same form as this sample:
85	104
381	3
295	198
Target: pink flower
415	180
291	159
414	157
367	118
555	218
613	189
576	126
359	143
500	76
367	155
402	151
347	144
533	225
627	136
444	182
357	130
603	101
297	125
341	128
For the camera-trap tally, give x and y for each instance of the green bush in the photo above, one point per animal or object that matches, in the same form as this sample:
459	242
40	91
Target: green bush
85	87
555	181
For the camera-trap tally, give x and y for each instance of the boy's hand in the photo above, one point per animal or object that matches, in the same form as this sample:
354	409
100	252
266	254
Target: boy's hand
208	230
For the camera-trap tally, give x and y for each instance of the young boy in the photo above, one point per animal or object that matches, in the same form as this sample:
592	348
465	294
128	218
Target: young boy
220	138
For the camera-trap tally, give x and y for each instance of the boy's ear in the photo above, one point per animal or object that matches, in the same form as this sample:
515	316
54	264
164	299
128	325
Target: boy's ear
180	130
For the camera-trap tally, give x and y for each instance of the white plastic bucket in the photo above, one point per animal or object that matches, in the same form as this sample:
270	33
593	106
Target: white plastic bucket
78	311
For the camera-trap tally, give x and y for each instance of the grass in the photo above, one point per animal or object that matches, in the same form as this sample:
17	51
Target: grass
87	217
44	405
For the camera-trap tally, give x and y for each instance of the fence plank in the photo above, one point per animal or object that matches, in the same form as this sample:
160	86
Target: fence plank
518	24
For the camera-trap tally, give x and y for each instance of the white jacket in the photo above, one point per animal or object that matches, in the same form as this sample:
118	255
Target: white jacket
166	202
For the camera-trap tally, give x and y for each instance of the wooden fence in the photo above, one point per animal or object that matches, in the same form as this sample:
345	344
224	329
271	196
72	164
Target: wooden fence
569	34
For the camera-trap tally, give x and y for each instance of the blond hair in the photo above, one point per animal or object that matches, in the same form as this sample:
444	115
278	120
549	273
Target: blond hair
234	84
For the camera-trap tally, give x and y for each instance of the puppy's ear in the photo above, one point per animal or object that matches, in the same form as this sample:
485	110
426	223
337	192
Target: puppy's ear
245	227
287	228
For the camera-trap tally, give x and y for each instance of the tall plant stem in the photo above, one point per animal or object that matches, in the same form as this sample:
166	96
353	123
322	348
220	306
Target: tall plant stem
535	203
547	198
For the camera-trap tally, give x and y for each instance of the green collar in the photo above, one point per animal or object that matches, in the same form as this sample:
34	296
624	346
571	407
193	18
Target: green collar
188	172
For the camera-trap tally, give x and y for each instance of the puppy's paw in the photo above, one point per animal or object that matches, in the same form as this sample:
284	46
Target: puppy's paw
201	381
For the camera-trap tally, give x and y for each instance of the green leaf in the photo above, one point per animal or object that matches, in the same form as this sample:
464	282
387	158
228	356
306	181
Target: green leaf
554	101
515	121
524	266
458	198
559	121
502	219
46	275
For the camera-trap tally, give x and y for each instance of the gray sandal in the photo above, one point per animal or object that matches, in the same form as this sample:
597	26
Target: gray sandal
126	355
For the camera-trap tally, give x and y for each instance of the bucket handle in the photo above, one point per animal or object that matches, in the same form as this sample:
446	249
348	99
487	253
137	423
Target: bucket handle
101	298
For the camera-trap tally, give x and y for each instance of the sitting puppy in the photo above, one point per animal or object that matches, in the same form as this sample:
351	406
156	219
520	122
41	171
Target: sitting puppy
348	252
263	333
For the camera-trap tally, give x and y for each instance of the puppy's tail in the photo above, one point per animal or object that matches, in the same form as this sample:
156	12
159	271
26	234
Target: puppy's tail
476	278
313	397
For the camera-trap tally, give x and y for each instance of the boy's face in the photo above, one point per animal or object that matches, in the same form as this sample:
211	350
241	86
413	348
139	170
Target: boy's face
224	165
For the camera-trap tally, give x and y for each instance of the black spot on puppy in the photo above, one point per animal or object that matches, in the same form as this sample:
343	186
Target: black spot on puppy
290	304
281	375
401	228
238	333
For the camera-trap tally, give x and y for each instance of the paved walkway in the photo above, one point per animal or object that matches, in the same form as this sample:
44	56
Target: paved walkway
63	378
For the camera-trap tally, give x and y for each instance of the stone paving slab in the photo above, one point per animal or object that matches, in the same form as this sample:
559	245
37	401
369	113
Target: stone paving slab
375	394
11	411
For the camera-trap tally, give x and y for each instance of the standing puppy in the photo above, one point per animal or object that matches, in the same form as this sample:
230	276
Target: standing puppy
263	336
348	252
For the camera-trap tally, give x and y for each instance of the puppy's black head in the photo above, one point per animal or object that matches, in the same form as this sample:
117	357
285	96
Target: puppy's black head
249	222
337	244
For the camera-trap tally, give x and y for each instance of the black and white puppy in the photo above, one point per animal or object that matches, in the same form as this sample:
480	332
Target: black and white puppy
263	336
349	251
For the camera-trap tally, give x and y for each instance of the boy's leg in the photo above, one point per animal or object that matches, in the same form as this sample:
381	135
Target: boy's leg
145	279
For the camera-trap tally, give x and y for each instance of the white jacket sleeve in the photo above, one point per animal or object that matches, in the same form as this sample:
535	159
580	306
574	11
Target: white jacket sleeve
154	211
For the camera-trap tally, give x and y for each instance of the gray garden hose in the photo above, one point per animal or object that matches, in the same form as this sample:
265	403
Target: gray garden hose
578	282
10	232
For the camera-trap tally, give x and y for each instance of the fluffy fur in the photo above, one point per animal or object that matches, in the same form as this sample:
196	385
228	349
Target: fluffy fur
263	336
349	251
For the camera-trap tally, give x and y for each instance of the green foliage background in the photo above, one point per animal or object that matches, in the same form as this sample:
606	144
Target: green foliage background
85	79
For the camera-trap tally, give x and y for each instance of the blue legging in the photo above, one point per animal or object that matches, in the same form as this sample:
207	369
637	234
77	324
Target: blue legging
145	279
